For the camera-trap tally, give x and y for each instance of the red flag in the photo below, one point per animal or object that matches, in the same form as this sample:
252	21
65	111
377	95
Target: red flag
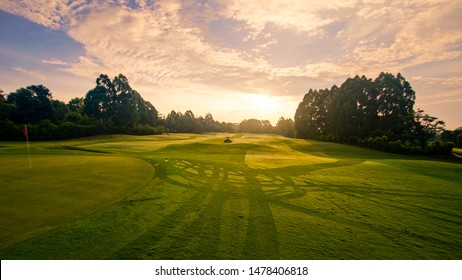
25	131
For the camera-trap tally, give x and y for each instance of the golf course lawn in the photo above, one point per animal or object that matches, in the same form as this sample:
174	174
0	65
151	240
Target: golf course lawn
191	196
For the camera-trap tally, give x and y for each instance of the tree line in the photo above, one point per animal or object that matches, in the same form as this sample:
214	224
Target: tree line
112	106
375	113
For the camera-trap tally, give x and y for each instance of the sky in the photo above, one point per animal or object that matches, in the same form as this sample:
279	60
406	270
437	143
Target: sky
235	59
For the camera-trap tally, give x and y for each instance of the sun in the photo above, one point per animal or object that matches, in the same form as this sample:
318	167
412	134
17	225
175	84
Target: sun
263	103
257	105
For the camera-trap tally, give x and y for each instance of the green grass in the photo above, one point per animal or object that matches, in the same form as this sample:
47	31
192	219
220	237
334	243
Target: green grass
187	196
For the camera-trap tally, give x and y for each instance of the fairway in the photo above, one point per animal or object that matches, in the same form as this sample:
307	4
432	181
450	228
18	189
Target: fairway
191	196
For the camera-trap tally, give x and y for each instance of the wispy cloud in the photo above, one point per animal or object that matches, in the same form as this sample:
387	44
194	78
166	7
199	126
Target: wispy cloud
55	14
158	42
54	62
274	47
31	73
152	45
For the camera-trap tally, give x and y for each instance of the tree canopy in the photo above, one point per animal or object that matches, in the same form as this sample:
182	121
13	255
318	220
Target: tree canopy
367	112
112	106
116	103
377	113
359	108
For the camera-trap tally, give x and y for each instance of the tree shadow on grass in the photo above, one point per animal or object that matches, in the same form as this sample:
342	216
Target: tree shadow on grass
229	215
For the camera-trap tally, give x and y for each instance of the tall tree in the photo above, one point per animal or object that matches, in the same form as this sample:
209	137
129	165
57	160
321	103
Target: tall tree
5	108
309	115
396	100
148	113
31	104
173	121
59	111
285	127
117	103
312	117
360	108
255	126
354	108
210	124
75	105
426	127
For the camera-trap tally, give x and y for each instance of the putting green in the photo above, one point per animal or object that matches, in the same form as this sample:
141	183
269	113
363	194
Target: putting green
59	189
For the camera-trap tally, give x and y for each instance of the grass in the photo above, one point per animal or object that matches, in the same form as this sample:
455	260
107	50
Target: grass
187	196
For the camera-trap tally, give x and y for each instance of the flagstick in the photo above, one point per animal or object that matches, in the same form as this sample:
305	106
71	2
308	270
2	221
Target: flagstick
28	152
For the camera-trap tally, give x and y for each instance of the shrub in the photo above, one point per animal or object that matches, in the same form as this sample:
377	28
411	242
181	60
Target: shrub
10	130
439	148
380	142
406	147
459	140
44	130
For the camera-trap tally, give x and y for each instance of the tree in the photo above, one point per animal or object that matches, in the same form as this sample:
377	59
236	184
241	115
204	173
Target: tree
31	104
5	108
210	124
148	113
396	99
116	103
426	127
255	126
285	127
76	105
110	107
126	103
97	104
173	121
189	122
354	109
60	111
358	109
312	115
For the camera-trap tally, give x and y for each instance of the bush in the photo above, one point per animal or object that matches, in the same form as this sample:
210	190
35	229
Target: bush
10	130
145	130
459	140
354	140
68	130
44	130
449	147
378	143
439	148
406	147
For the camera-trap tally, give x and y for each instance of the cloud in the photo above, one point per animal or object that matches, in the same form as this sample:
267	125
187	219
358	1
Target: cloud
159	44
31	73
153	46
428	32
240	46
54	62
298	14
163	42
438	90
54	14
